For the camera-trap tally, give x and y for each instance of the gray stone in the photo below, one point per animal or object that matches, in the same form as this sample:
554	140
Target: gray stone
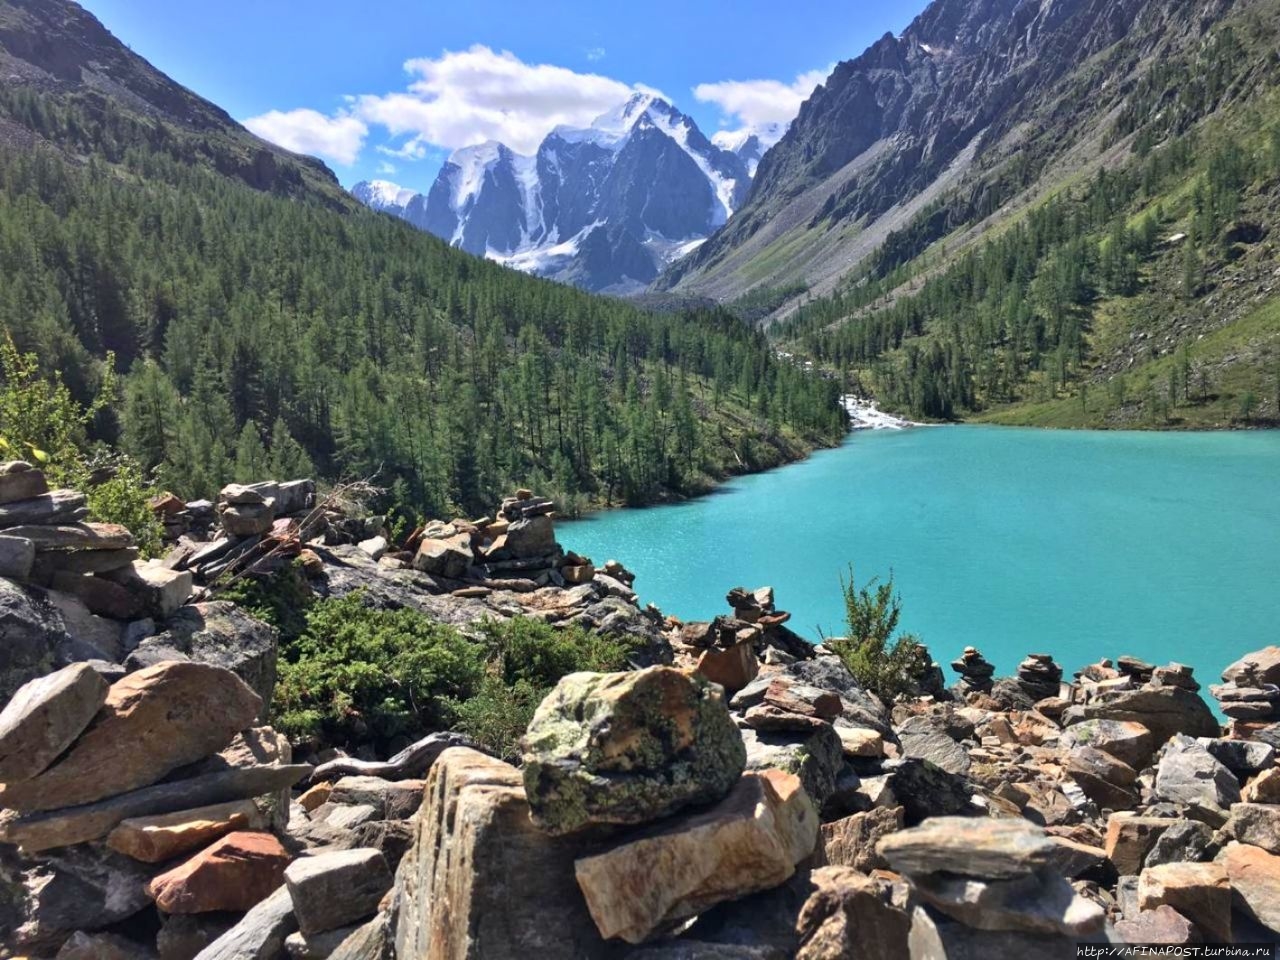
926	790
1186	840
332	890
534	537
372	941
17	556
969	846
392	838
1255	669
629	748
851	915
1164	711
184	935
161	590
1041	902
57	506
295	496
391	800
815	756
222	634
1257	824
1163	926
20	481
935	937
81	888
1189	774
260	934
1241	757
1127	741
249	495
44	717
1105	780
445	558
74	536
316	946
86	561
375	547
102	946
924	739
248	520
344	817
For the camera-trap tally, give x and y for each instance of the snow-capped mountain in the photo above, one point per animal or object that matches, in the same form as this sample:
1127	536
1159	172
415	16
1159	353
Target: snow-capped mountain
605	207
750	143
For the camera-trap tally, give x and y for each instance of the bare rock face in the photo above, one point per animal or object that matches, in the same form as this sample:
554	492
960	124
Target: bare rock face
628	748
750	841
44	718
153	722
482	882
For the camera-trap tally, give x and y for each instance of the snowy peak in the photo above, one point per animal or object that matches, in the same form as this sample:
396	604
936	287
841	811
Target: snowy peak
383	195
606	207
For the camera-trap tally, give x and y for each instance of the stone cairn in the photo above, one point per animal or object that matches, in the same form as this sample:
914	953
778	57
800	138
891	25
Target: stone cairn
1039	676
1250	688
46	542
975	672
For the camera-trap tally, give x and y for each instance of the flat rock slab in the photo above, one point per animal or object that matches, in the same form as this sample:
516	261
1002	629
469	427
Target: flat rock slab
21	481
235	873
17	557
332	890
75	536
59	828
750	841
168	835
971	847
152	722
53	507
260	934
44	717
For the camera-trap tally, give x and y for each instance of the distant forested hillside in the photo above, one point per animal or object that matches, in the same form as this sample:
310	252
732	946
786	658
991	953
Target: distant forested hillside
261	323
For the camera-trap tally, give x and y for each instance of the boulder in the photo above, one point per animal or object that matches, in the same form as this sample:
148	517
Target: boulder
101	946
1255	669
934	936
165	836
370	941
481	882
733	668
1264	788
628	748
160	591
1040	902
234	873
1165	711
1130	838
332	890
260	934
815	755
1189	774
748	842
317	946
1186	840
445	558
74	536
969	846
860	743
1164	926
851	841
44	717
390	799
19	480
183	935
248	520
851	915
83	888
1254	876
152	722
58	828
1257	824
922	738
223	634
531	538
1127	741
1105	780
1241	757
926	790
17	557
1201	892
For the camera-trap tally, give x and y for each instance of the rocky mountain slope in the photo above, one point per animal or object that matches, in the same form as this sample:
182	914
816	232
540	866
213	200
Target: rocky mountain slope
605	208
977	98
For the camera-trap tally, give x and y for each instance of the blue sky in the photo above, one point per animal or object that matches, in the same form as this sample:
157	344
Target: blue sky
388	89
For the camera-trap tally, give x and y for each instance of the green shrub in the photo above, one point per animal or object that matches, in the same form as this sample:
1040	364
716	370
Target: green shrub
281	599
358	675
887	666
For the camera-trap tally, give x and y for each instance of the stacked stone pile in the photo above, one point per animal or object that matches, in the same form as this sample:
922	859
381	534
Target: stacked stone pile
46	541
975	673
1250	688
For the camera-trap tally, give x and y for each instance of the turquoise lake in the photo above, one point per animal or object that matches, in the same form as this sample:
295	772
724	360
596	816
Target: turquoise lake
1079	544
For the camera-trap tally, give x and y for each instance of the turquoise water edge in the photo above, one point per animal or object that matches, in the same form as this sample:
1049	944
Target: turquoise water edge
1080	544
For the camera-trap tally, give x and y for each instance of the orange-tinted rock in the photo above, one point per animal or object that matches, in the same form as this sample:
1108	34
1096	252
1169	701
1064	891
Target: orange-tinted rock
153	721
733	668
235	873
163	837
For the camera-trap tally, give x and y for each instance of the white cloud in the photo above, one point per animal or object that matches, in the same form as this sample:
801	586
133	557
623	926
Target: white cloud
764	107
386	168
338	138
466	97
596	54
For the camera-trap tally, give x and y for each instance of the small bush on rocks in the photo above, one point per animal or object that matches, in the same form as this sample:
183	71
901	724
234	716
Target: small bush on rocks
888	666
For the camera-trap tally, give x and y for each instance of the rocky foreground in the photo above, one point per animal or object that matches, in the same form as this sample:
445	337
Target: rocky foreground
736	796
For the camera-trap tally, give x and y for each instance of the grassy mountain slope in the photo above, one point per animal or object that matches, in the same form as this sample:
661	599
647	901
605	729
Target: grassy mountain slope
261	321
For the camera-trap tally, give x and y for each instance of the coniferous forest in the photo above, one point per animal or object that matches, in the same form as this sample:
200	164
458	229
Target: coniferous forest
282	331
